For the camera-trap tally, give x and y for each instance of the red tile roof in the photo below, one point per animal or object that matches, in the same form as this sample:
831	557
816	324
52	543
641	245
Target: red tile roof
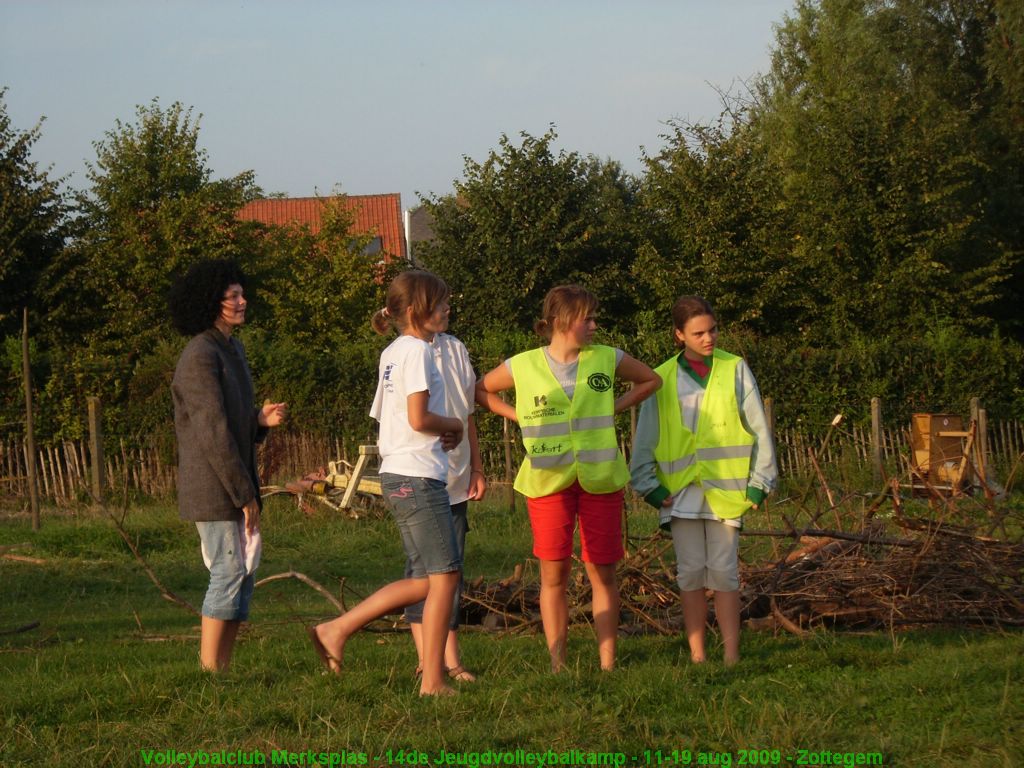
379	215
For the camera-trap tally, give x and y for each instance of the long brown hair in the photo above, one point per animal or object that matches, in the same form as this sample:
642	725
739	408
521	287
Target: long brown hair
415	288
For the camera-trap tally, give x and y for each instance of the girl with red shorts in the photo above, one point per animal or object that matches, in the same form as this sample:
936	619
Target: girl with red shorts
573	470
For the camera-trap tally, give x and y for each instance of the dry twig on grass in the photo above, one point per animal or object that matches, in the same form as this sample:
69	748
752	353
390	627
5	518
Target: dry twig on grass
337	602
18	630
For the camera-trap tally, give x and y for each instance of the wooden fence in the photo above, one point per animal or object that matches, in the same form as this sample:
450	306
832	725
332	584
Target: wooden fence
854	444
140	468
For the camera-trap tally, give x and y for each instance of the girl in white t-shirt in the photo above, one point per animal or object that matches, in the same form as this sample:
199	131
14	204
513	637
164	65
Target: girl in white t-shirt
466	482
415	435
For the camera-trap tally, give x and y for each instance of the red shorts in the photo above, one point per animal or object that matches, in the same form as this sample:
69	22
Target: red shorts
553	520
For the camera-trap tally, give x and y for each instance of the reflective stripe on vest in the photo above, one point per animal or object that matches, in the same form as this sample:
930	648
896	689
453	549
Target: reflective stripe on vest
717	457
568	440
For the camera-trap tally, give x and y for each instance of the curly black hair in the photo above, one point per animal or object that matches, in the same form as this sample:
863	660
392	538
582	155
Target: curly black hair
194	298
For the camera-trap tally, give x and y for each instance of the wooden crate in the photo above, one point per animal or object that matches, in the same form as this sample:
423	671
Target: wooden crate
937	454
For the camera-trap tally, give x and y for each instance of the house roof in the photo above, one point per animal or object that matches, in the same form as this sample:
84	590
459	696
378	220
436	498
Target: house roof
379	215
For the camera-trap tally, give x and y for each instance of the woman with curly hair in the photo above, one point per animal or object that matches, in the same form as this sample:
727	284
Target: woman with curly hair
218	426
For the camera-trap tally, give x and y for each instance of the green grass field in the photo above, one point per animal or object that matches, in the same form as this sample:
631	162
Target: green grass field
110	676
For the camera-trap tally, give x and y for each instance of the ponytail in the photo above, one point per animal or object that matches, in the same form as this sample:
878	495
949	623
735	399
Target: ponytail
414	289
381	321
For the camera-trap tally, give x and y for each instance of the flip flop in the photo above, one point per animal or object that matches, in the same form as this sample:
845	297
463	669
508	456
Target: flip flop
461	674
323	653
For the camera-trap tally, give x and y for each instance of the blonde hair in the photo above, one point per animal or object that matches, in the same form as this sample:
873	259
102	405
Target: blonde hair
415	288
686	308
563	305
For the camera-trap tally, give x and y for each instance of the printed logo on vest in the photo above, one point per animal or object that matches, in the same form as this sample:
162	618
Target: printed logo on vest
599	382
540	400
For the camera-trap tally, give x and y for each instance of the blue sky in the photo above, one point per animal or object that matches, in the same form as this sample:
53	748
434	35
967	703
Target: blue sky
376	96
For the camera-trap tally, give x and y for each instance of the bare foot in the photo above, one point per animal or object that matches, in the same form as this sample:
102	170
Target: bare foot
732	661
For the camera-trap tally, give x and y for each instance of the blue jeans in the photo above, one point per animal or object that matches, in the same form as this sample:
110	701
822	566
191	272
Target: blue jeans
460	518
227	597
420	508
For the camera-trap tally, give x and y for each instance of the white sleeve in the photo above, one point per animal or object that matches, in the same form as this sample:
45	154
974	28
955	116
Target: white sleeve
764	472
467	376
415	373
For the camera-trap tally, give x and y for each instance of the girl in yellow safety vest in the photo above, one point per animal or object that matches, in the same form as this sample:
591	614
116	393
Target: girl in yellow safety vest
565	407
703	455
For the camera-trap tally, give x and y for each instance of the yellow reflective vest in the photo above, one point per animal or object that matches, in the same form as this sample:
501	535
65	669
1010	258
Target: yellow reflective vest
717	456
565	439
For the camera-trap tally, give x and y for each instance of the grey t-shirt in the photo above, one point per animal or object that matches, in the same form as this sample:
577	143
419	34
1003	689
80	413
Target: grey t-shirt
565	373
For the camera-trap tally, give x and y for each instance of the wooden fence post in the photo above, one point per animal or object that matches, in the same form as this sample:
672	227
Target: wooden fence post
96	448
876	438
30	433
982	439
506	434
977	418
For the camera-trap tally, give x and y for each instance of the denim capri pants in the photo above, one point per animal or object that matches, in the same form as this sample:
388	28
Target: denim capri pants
420	508
230	590
460	518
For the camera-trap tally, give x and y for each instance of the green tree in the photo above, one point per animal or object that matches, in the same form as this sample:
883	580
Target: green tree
877	115
311	343
527	219
152	210
720	233
321	287
856	216
33	214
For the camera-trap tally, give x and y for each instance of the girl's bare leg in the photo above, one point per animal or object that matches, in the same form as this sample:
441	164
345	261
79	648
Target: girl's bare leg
388	599
217	643
416	628
452	652
605	591
554	608
727	614
695	617
437	613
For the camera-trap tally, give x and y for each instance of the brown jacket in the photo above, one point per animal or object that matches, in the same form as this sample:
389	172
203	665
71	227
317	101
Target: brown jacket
216	423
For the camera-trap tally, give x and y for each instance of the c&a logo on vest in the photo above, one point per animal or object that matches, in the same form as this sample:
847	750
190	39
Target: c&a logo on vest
599	382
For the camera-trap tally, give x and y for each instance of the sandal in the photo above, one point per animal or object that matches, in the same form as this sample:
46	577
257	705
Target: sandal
325	656
461	674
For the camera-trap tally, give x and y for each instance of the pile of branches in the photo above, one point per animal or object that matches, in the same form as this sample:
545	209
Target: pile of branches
939	573
909	571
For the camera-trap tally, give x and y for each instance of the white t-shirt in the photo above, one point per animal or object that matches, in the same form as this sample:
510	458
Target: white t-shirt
407	366
452	359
